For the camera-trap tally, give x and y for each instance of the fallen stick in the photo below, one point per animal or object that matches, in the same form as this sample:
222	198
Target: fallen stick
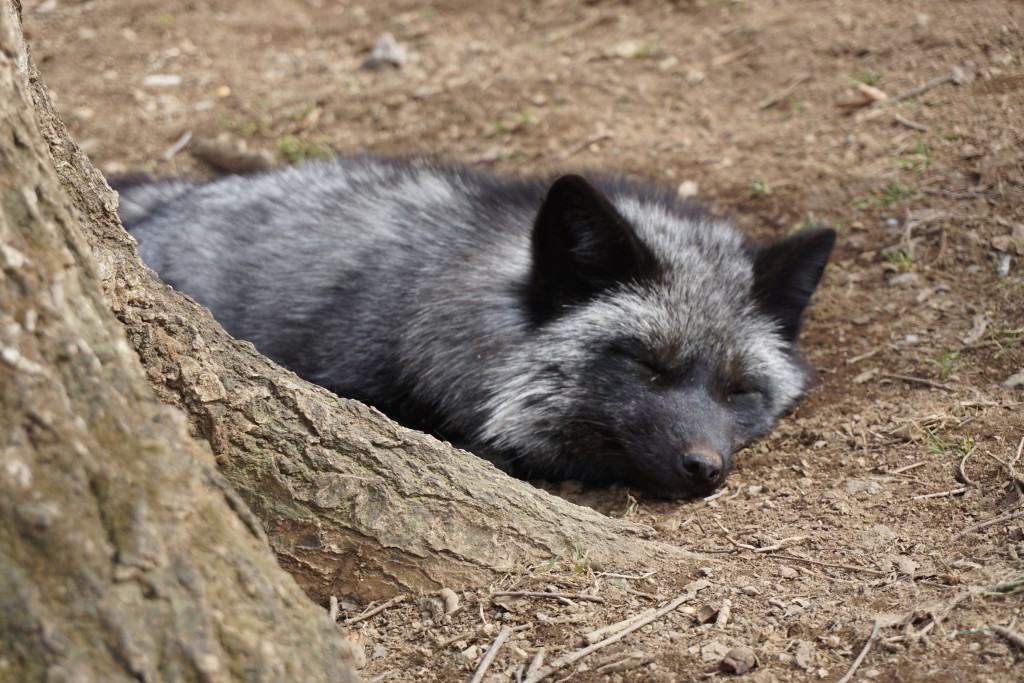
959	74
901	470
573	657
784	93
376	610
1012	636
917	380
600	633
465	635
556	596
485	663
983	525
828	564
334	610
535	665
177	146
863	653
964	479
942	494
911	124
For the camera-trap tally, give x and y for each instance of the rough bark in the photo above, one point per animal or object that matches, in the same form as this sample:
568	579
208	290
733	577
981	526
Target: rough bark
351	502
124	554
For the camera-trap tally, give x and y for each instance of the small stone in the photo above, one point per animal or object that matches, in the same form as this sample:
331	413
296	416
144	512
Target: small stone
738	660
624	50
869	487
687	189
387	52
715	651
470	654
905	280
161	80
1015	381
705	613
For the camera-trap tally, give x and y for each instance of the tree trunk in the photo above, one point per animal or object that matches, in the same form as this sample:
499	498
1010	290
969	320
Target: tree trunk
124	554
351	502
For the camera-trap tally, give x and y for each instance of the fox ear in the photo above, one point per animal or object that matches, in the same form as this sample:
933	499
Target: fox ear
786	273
582	246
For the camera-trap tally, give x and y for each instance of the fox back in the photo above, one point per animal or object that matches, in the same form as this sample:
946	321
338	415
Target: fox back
595	329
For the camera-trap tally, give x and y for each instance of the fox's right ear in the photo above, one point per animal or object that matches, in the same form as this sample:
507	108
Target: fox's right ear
787	272
581	246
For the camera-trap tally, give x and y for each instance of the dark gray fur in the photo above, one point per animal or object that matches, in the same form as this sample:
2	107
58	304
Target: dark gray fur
595	330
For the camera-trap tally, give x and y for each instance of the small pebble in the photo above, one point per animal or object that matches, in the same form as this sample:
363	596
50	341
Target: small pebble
738	660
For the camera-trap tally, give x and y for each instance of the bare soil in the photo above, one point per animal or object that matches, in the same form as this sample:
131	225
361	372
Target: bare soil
865	506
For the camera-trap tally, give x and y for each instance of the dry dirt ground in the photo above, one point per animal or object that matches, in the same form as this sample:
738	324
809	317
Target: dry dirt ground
892	496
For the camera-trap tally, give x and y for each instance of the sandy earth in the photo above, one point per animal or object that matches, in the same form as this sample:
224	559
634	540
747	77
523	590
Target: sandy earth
824	528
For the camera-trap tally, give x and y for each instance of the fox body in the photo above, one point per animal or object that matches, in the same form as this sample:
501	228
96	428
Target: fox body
595	329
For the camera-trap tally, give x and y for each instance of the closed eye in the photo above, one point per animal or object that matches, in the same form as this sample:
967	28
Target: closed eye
643	365
745	393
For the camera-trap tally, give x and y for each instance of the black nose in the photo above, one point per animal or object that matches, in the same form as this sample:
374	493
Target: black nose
702	467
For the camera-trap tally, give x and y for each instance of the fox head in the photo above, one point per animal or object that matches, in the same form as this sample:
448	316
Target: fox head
662	341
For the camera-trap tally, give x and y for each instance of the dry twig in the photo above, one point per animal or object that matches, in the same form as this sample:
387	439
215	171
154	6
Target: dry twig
983	525
911	124
334	608
376	610
961	73
555	596
572	657
863	653
794	558
784	93
538	660
901	470
485	663
942	494
918	380
964	479
604	631
1012	636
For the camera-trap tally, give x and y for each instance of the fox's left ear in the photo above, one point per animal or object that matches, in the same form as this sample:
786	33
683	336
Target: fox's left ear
786	273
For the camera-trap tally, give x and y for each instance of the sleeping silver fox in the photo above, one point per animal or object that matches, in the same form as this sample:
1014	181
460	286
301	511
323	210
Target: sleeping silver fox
597	329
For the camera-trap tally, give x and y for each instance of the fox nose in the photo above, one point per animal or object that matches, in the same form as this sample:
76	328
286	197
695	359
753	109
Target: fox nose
702	467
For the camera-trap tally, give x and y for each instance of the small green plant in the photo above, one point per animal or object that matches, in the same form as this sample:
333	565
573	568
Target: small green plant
650	50
166	20
296	149
946	362
896	192
938	446
631	506
886	196
900	259
247	128
758	187
1011	587
513	121
552	562
867	76
579	556
792	107
805	223
1004	340
920	156
965	445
